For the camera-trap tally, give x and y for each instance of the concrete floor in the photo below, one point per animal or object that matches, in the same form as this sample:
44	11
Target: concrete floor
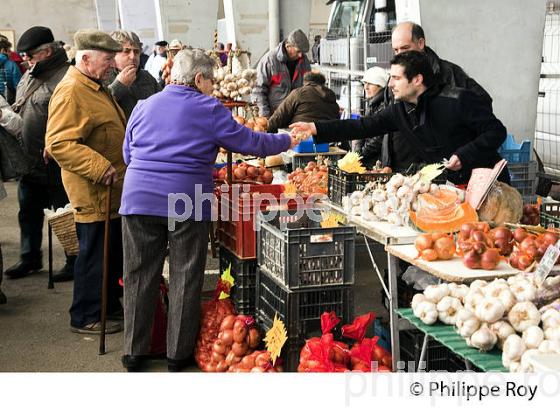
34	324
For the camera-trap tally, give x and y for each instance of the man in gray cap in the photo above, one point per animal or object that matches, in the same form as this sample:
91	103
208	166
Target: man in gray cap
42	187
85	133
280	71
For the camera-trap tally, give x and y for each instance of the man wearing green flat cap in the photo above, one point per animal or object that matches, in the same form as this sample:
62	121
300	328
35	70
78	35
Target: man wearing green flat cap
85	133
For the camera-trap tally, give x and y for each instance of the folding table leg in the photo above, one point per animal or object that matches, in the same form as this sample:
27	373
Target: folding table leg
51	283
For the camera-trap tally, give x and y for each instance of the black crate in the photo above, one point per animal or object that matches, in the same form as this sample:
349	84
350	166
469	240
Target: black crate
438	357
301	310
341	183
244	272
301	161
301	254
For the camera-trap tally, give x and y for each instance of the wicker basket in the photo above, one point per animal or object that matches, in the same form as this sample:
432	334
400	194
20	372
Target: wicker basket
64	228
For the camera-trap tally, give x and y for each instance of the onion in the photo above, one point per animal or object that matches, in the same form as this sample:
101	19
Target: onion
429	255
519	234
423	242
466	230
472	260
445	248
490	259
239	349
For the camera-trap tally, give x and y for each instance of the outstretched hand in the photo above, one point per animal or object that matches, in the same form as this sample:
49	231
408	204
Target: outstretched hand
306	128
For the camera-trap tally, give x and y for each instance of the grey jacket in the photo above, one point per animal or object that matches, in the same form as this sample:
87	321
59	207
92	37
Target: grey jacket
45	75
12	123
144	86
273	79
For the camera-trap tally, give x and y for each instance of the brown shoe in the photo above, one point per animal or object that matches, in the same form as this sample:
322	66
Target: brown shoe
95	328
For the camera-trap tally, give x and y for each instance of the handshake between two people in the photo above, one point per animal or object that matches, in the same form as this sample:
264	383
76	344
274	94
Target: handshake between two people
301	131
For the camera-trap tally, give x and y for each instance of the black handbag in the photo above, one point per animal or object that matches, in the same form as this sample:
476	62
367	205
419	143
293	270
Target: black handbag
14	161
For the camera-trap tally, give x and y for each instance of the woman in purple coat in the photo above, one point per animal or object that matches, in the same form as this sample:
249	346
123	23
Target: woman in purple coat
170	147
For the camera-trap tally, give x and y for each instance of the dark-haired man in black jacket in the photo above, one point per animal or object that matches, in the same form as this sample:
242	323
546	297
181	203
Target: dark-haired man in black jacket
437	120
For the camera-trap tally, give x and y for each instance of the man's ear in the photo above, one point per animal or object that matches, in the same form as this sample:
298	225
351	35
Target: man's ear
421	43
418	80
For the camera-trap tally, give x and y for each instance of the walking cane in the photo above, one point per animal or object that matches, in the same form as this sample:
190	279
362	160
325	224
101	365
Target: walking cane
105	272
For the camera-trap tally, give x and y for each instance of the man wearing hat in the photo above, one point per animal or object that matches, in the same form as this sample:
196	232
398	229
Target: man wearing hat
280	71
42	187
375	80
157	59
174	47
85	133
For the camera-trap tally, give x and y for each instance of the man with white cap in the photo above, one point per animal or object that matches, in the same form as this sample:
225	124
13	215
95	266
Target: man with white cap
375	79
280	71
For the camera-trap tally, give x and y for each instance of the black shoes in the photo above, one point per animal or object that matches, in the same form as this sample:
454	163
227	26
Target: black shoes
176	365
134	363
65	274
22	269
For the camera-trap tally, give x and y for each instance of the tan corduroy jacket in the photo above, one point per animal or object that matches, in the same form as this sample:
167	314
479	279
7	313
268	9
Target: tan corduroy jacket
85	133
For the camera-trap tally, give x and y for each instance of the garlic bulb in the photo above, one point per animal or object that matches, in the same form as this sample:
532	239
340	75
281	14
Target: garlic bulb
514	367
447	309
503	330
416	299
524	315
514	347
473	298
507	298
478	284
427	312
459	291
526	366
435	293
549	346
532	337
552	333
524	291
494	288
490	310
483	339
466	323
550	318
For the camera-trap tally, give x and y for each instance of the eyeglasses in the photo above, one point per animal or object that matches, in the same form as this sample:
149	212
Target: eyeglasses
31	53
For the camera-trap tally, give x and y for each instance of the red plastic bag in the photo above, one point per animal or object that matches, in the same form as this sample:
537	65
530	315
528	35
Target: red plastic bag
324	354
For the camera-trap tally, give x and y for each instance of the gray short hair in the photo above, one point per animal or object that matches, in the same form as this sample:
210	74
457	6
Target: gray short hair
125	36
187	63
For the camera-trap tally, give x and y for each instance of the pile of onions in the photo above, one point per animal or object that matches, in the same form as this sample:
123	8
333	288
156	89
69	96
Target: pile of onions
236	339
531	214
255	124
529	248
310	180
257	362
245	172
213	312
476	244
436	246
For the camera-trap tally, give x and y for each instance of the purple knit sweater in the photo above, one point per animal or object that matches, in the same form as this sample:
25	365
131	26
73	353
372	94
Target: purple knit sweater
170	147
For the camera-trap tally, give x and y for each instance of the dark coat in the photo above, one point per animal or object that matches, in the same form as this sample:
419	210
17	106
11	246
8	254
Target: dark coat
34	113
446	121
143	87
312	102
398	153
370	148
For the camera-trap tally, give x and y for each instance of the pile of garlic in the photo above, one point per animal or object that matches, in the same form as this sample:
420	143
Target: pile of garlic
233	85
496	313
390	202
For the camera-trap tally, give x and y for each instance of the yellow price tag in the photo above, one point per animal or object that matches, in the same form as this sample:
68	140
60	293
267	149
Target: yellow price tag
226	278
275	338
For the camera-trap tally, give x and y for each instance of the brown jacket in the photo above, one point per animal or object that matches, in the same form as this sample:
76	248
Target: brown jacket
85	133
309	103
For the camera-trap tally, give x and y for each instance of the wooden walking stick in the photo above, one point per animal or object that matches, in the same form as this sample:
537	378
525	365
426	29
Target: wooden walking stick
105	271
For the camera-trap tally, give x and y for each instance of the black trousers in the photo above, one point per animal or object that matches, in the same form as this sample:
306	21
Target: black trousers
33	198
88	272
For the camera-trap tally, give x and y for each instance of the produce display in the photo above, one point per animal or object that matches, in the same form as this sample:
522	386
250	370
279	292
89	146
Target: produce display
237	338
503	314
244	172
310	180
228	85
476	245
257	362
435	246
532	214
530	248
255	123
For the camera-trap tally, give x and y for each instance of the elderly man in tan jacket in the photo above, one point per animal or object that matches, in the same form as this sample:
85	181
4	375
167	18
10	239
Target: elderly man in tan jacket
85	133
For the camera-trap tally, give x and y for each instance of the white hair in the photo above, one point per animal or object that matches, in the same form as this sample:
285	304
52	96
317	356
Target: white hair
187	63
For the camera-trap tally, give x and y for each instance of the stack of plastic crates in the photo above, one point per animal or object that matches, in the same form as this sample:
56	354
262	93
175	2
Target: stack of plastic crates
522	171
343	183
550	214
244	272
304	270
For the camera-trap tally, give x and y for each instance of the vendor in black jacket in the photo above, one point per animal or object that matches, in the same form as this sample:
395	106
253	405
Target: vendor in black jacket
438	120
